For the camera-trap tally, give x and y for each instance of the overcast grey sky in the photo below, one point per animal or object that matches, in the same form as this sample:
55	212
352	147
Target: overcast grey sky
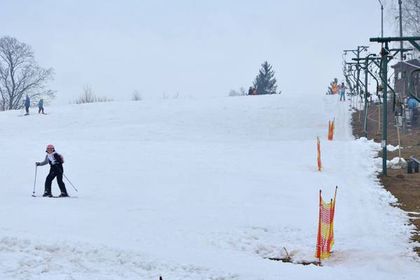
186	46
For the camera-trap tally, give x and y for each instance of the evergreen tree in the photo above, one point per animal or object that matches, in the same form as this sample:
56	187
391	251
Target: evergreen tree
265	83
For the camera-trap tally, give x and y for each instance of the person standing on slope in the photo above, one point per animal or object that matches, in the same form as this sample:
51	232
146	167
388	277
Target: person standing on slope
27	104
342	92
56	170
41	106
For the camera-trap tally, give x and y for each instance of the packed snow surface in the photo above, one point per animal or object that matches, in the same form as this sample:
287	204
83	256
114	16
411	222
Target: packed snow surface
196	189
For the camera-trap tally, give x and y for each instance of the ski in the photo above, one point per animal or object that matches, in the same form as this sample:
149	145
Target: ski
54	196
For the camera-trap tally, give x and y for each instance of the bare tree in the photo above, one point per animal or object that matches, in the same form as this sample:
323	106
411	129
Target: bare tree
411	17
240	92
20	74
88	96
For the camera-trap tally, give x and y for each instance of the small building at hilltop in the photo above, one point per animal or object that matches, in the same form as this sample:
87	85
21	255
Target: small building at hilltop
402	73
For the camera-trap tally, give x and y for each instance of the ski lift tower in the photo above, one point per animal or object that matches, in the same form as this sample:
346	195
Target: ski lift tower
385	58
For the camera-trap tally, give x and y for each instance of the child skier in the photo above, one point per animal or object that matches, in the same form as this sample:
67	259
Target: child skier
56	170
41	106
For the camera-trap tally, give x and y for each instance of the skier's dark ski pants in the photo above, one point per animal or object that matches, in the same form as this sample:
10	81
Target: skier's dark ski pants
56	170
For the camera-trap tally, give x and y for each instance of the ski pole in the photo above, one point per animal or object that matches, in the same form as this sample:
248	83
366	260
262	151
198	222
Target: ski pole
70	182
33	191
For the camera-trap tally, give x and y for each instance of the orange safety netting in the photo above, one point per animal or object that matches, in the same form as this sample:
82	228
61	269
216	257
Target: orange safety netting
325	239
318	147
331	127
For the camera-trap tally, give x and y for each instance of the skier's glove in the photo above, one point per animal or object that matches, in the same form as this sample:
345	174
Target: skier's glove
37	163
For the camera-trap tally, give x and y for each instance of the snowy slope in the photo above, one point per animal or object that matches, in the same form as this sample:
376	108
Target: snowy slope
195	189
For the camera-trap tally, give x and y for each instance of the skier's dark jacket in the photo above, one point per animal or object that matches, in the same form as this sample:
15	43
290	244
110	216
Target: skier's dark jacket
57	164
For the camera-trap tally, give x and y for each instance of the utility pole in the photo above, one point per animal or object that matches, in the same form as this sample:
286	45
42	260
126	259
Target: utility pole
350	77
358	72
401	30
366	62
384	77
382	19
357	54
365	128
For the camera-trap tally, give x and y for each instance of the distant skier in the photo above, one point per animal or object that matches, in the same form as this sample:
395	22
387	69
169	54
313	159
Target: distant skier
41	106
27	104
56	170
342	92
250	90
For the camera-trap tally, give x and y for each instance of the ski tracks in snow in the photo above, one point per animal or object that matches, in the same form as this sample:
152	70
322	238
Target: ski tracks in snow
24	259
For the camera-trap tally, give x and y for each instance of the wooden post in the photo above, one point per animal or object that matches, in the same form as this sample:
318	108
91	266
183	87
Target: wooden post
399	142
379	121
